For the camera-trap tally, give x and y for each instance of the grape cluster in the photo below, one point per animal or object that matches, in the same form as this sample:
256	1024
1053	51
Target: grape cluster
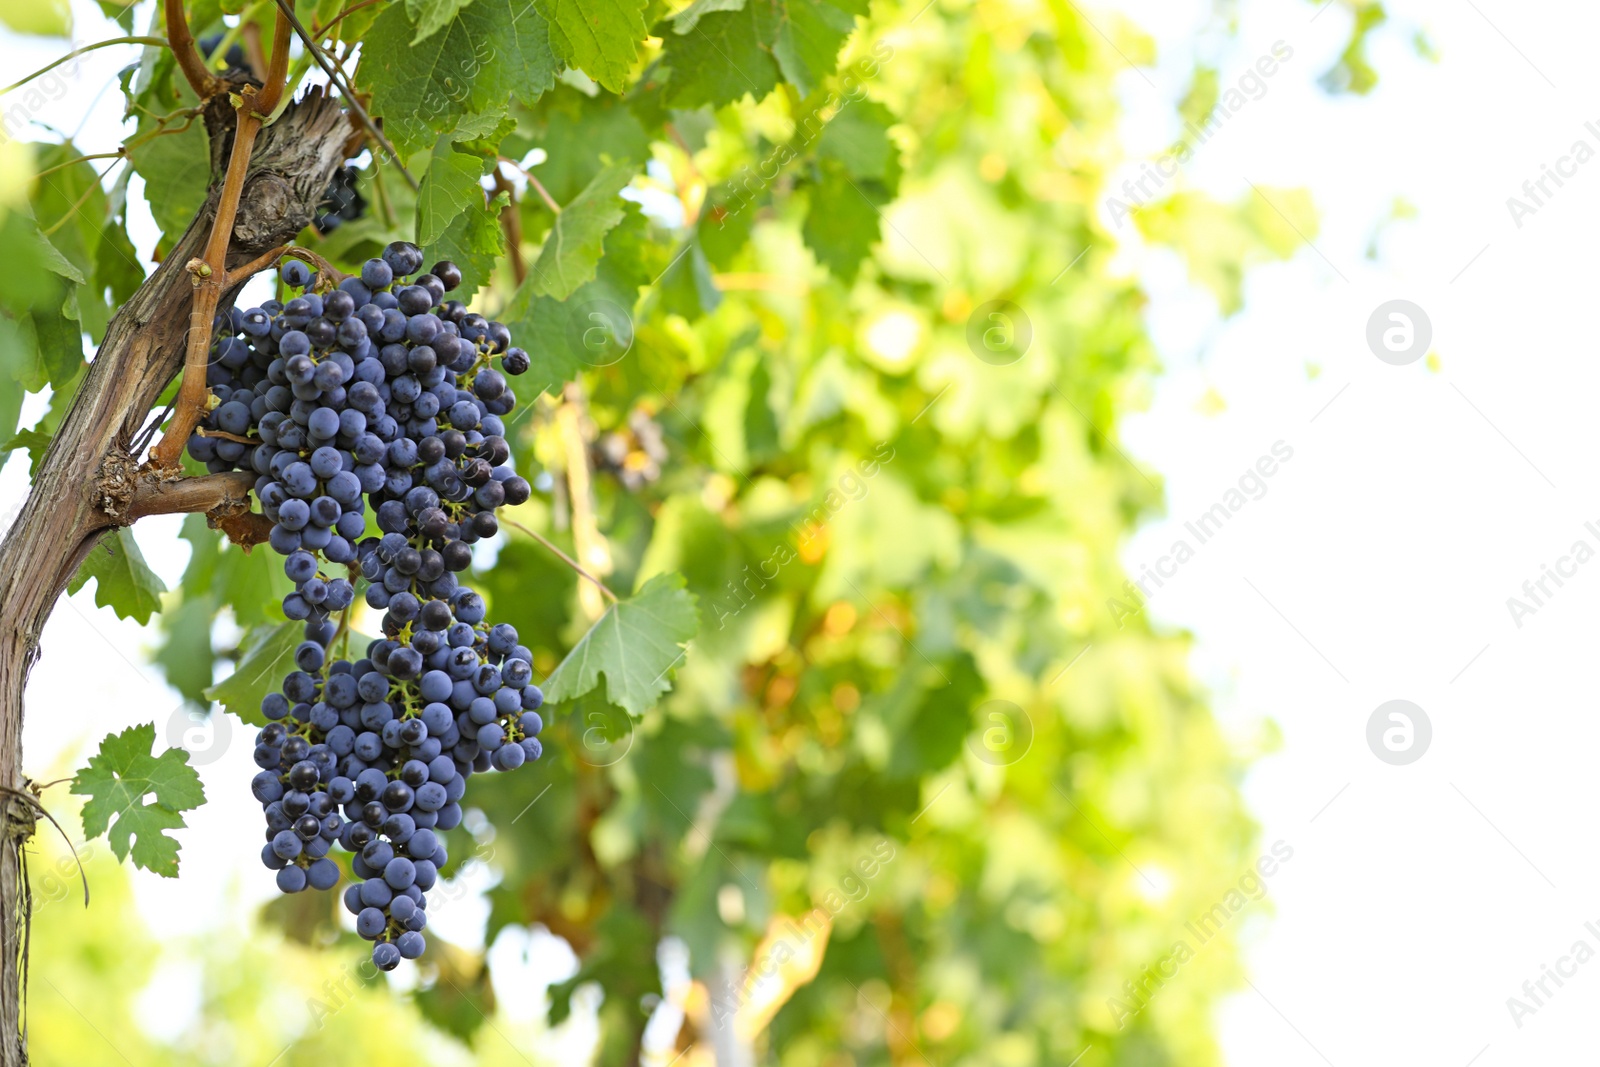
375	405
342	202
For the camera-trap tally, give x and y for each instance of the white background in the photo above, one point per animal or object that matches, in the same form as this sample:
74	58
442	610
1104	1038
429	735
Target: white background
1376	567
1416	503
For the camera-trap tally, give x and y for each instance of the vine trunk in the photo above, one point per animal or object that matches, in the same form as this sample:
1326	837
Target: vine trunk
89	482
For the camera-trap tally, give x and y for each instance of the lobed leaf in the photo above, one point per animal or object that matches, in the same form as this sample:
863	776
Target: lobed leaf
117	780
632	646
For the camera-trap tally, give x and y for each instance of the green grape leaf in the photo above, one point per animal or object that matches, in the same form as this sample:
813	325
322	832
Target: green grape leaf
36	439
76	207
12	367
185	657
123	581
117	780
718	59
686	287
601	37
633	645
578	134
539	323
805	37
267	657
842	223
51	259
858	137
71	203
362	238
121	11
58	339
484	134
449	187
687	19
572	249
176	168
474	242
593	327
32	270
525	61
117	273
32	441
224	571
422	93
622	961
431	16
725	224
486	53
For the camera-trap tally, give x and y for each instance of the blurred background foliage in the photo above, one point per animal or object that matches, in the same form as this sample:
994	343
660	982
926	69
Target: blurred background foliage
906	703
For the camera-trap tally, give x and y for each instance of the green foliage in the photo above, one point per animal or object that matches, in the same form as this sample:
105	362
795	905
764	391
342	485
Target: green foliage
474	241
123	581
49	18
1220	242
716	56
752	399
599	37
573	246
117	780
268	655
486	53
842	234
805	37
449	188
633	646
430	16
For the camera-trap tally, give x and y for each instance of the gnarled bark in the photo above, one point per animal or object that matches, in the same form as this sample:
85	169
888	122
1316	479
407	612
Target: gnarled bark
89	481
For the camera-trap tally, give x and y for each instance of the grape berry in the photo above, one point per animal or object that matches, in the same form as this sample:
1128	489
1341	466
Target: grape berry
375	405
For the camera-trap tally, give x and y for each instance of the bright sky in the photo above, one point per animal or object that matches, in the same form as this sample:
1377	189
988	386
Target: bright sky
1376	566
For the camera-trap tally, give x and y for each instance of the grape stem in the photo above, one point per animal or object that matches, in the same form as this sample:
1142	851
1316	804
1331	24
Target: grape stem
286	10
255	266
76	52
250	34
328	275
210	272
320	32
568	560
204	83
587	540
538	186
511	219
226	436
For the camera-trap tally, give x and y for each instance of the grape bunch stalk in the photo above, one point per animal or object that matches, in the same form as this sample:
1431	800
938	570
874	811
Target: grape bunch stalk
372	415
